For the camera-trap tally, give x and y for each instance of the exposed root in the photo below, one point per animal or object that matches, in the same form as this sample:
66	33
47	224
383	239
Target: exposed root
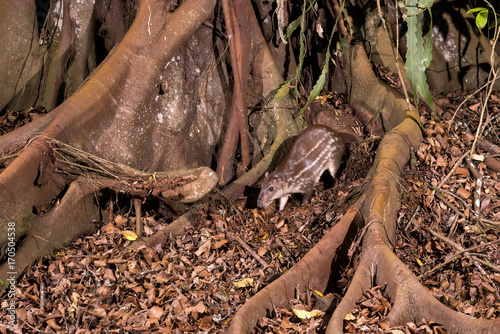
50	230
314	270
55	166
185	185
176	228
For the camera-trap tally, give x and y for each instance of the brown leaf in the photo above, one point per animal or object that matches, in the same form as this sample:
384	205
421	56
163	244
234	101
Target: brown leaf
120	221
463	193
155	312
98	312
100	263
53	324
204	249
162	277
463	172
440	161
262	251
220	243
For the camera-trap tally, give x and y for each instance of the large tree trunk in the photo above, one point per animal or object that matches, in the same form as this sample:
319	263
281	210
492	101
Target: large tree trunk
119	115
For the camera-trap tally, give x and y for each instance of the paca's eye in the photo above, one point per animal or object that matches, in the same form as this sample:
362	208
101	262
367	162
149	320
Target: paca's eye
270	189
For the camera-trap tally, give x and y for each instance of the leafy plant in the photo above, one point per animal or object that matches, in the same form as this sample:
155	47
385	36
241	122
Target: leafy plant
320	83
482	14
481	17
419	54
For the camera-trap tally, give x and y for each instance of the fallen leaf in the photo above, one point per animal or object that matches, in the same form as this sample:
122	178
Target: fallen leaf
220	243
155	312
204	249
129	235
303	314
244	283
463	172
262	251
463	193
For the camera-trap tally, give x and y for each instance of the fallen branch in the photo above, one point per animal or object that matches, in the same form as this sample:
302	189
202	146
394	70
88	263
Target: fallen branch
249	249
471	258
455	257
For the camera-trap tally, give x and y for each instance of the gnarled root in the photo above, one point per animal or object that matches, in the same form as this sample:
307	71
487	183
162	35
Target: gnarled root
314	270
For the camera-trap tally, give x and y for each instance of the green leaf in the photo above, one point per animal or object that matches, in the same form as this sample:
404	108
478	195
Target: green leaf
282	91
419	55
475	10
482	19
291	28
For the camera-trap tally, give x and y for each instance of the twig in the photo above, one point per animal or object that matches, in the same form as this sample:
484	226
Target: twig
464	203
456	256
493	75
34	328
42	296
412	217
487	264
465	100
457	163
493	225
478	183
451	206
249	249
138	221
453	226
471	258
410	106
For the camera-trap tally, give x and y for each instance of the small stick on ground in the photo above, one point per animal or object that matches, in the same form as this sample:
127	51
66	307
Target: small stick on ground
249	249
457	163
456	256
471	258
138	222
479	182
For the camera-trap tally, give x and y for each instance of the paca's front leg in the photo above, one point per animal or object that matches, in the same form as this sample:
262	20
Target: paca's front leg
306	197
283	200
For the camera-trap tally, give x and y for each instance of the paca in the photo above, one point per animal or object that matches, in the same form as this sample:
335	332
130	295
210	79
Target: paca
315	150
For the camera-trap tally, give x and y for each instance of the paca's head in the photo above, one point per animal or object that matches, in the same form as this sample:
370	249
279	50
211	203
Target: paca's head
273	187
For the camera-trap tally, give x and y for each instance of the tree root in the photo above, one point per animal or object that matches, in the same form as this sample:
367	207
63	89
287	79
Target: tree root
411	301
50	231
378	265
269	76
53	165
314	270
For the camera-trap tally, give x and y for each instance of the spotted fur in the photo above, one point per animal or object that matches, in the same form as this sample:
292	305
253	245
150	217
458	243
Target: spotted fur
316	149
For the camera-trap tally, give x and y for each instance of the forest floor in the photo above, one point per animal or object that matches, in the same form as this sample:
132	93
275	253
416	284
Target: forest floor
196	282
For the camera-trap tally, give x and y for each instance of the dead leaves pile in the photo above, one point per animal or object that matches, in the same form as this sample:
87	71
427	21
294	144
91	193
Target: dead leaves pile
98	284
451	208
368	317
191	284
11	120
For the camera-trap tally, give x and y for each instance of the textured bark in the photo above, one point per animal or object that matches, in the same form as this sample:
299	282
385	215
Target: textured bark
99	118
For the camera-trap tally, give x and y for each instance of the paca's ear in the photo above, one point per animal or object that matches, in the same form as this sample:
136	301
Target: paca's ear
266	175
